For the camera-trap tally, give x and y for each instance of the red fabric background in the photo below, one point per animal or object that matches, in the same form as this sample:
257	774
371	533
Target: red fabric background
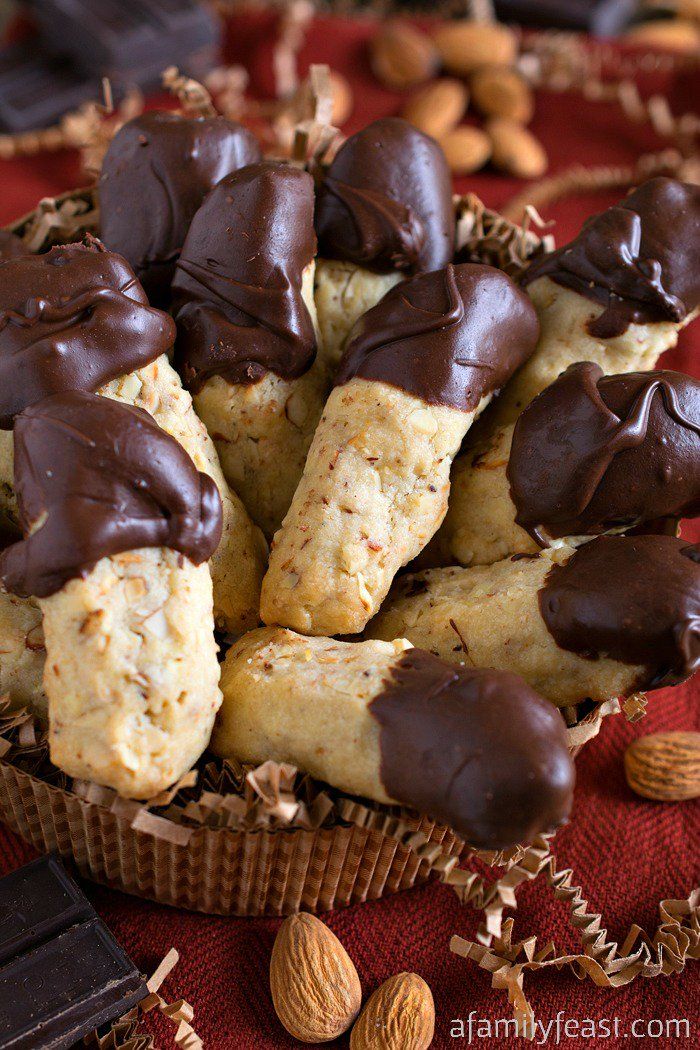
627	854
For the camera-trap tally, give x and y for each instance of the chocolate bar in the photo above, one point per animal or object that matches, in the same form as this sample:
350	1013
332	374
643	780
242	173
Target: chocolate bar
128	40
597	17
36	89
62	973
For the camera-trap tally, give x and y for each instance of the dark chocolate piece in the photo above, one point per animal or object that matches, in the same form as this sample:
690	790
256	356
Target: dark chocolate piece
37	89
95	477
477	749
635	599
72	319
592	453
62	974
639	259
237	288
37	902
11	246
596	17
385	201
449	337
128	40
156	173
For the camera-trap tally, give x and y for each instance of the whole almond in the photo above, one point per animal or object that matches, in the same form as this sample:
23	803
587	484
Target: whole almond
515	150
465	45
676	35
400	1015
664	766
315	988
438	107
467	149
502	92
402	56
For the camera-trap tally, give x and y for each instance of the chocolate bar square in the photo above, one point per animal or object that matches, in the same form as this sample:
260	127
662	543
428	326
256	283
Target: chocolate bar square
62	973
127	40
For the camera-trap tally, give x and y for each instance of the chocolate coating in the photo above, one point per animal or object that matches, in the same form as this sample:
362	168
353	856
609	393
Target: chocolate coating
237	288
155	175
639	259
477	749
635	599
72	319
449	337
385	202
592	453
11	246
94	478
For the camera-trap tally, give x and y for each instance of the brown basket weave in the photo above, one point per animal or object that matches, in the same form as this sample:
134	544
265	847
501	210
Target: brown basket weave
224	870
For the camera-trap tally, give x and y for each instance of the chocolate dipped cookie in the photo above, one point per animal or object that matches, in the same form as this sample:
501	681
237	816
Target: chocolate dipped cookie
617	615
590	454
247	339
118	526
384	212
420	367
477	750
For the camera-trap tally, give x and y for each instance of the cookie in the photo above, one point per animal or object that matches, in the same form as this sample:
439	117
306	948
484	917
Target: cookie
590	454
384	211
419	369
478	750
22	654
343	292
247	341
118	526
607	619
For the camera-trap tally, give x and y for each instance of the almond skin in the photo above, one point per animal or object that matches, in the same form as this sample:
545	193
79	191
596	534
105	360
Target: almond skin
515	150
664	766
467	149
314	984
400	1015
438	107
465	45
501	92
402	56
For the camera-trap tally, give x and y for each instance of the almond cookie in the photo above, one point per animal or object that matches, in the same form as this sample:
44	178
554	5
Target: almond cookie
384	210
590	454
478	750
118	525
420	367
617	615
246	345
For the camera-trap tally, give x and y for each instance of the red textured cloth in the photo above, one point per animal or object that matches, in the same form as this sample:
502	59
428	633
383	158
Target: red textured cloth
626	853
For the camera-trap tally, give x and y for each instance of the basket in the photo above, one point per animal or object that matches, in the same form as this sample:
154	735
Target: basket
210	861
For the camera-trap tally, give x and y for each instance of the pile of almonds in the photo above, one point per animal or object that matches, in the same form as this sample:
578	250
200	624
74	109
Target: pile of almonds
480	60
317	996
